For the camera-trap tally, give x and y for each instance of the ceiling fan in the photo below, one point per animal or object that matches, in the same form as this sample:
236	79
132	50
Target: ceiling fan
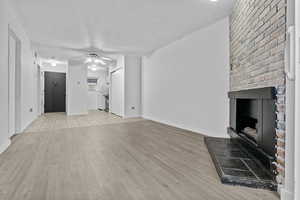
95	62
93	57
80	51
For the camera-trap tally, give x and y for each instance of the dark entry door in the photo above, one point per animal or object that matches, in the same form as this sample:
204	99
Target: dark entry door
55	92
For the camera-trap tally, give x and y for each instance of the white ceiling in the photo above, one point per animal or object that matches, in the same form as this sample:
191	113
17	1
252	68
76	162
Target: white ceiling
129	26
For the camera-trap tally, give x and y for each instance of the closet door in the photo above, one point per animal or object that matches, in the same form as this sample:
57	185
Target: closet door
117	85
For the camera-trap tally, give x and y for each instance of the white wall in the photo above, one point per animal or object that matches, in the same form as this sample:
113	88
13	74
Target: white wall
297	100
132	101
92	100
185	84
77	89
61	68
28	73
4	141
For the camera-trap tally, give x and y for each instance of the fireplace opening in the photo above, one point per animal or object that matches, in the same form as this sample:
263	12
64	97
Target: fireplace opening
247	118
253	122
248	157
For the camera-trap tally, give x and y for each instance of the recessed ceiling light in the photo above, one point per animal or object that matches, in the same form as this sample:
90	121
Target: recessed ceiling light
94	69
53	62
214	0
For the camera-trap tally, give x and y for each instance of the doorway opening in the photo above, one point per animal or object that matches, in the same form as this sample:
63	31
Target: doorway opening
14	83
55	92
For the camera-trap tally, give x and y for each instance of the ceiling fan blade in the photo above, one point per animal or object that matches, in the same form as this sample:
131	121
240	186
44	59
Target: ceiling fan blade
81	50
81	53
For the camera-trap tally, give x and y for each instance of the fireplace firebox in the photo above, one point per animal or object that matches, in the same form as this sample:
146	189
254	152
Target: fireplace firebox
253	122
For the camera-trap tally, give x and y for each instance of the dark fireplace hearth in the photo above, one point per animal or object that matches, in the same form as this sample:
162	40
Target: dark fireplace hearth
236	166
248	157
253	122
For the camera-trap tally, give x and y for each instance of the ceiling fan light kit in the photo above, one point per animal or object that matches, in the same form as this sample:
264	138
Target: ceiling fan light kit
93	61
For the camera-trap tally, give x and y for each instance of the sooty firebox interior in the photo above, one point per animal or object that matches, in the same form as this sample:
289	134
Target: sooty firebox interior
253	121
247	118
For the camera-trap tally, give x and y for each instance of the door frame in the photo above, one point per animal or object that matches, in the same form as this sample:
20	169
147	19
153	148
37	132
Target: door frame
110	91
39	95
297	103
17	82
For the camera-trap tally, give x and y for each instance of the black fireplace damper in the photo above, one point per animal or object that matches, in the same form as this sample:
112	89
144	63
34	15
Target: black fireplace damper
247	157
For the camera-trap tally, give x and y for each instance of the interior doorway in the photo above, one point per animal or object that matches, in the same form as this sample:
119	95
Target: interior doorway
55	92
14	83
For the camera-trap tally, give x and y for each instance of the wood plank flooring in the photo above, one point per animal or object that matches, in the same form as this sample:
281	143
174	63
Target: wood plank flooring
136	160
55	121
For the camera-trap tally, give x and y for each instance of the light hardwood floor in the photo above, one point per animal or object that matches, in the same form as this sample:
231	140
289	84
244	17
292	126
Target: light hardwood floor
55	121
136	160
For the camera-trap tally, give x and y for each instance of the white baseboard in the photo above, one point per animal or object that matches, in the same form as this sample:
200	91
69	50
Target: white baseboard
131	116
198	131
4	145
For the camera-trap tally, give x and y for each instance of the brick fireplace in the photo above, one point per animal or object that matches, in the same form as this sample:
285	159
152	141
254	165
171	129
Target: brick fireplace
257	43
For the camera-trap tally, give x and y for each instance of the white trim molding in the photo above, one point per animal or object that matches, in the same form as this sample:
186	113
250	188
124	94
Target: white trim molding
286	194
5	145
185	128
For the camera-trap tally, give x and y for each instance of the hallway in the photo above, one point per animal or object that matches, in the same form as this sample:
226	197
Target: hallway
69	158
55	121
